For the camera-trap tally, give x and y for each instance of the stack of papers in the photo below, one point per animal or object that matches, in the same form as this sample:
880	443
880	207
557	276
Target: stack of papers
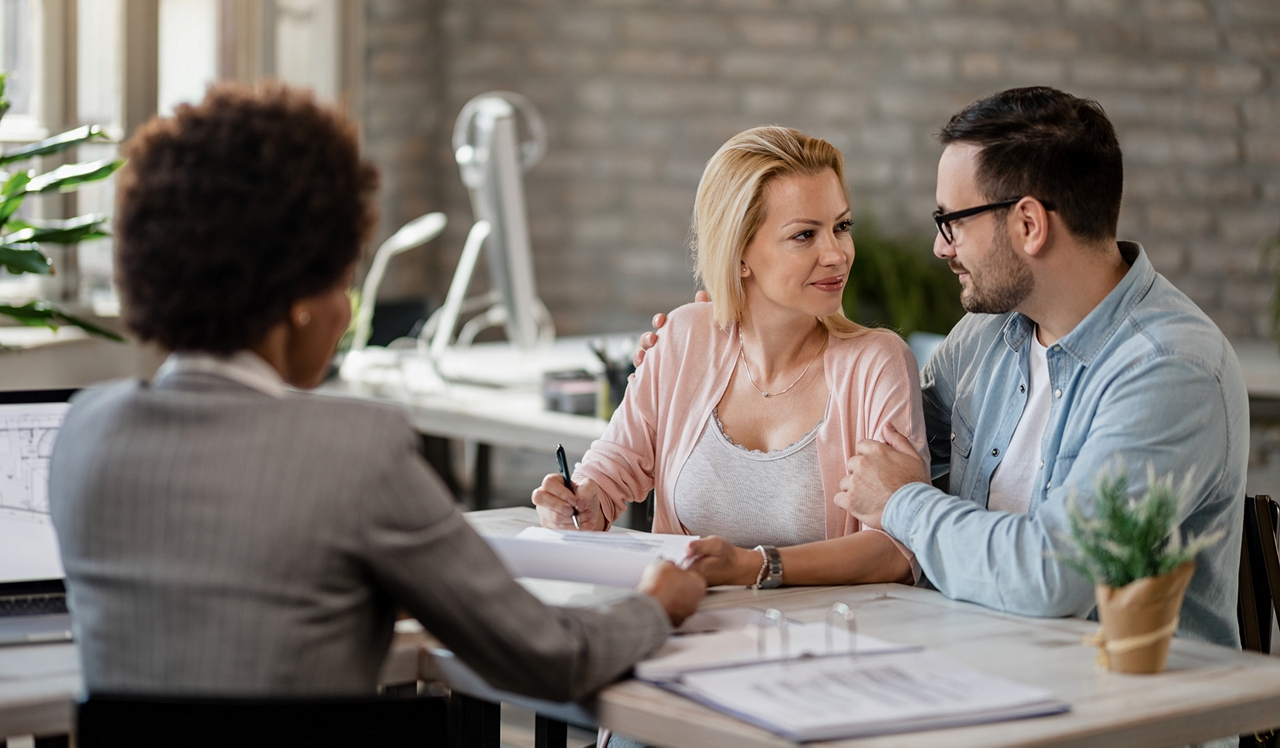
828	698
609	558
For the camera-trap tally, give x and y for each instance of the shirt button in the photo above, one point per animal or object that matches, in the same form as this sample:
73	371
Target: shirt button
1022	388
1057	393
1048	485
953	436
1057	348
1042	463
995	452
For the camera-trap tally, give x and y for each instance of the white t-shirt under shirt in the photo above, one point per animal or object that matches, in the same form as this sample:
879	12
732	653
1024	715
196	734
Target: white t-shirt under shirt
1014	480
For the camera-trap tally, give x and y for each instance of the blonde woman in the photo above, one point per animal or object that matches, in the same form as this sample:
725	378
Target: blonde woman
746	410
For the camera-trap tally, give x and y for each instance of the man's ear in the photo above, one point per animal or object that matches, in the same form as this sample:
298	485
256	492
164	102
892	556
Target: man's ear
1029	226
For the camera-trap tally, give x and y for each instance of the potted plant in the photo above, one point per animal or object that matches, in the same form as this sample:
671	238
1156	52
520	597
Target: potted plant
1134	553
20	240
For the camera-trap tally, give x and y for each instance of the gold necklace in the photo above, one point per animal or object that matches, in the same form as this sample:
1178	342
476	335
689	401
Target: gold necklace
742	351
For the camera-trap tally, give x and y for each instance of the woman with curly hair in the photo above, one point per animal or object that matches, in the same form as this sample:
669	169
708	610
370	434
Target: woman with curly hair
745	411
223	534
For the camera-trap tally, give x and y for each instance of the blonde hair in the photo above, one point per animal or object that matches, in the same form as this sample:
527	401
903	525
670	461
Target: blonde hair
729	209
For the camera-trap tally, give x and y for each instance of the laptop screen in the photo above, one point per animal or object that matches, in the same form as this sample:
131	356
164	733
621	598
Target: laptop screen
29	423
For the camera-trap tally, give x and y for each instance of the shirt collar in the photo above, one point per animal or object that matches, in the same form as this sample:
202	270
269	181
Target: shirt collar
243	367
1098	326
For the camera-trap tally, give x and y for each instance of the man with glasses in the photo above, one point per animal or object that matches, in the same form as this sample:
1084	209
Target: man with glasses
1076	357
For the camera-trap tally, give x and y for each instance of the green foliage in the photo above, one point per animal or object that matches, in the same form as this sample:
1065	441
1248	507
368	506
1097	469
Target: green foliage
1129	538
56	144
43	314
898	283
20	241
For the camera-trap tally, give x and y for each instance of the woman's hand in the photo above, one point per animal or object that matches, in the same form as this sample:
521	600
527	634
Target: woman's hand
721	562
556	503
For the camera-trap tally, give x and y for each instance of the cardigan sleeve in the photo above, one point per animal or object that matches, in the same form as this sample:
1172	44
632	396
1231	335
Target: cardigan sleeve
891	395
623	461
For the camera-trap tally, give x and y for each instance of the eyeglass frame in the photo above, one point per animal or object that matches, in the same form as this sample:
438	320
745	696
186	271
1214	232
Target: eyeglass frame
945	219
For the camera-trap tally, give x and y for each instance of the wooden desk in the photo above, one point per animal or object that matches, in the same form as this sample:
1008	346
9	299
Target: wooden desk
1206	692
501	417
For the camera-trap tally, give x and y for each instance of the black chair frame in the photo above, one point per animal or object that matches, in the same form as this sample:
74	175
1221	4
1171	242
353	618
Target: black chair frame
107	720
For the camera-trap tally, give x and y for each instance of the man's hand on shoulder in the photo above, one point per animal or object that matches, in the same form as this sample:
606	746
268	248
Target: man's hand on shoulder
650	339
876	471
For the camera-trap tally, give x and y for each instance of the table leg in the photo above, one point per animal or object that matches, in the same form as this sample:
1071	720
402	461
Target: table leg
549	733
481	487
435	450
473	723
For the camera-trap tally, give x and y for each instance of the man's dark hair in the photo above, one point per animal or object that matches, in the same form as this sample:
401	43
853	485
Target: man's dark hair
1050	145
230	211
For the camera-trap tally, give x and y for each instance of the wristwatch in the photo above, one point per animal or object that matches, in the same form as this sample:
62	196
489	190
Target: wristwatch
770	575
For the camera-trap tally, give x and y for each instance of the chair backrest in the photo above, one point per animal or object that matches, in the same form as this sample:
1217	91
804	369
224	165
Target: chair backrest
145	721
1259	573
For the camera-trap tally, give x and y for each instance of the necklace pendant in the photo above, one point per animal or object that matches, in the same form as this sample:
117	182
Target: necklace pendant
766	394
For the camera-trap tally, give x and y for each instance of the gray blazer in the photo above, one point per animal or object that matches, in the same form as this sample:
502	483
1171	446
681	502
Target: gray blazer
221	541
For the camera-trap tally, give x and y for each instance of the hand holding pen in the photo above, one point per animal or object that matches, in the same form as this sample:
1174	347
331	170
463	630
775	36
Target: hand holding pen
564	505
563	463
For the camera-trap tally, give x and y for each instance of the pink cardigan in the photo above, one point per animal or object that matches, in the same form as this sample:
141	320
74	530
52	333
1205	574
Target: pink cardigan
873	380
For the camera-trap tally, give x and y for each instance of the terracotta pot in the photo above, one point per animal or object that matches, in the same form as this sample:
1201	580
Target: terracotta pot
1138	620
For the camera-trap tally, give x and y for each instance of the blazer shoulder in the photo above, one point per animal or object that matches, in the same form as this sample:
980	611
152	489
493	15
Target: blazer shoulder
378	422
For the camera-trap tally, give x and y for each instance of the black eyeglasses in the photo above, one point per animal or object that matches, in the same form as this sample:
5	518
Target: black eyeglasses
944	219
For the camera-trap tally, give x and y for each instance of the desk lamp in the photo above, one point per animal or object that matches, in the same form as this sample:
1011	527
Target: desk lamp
415	233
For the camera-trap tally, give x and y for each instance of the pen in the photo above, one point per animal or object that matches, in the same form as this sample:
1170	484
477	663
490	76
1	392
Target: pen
564	474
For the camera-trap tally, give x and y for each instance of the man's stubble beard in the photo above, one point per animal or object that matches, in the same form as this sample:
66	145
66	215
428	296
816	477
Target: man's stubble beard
1006	280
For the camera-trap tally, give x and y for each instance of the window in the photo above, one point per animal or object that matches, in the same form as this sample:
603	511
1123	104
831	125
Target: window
116	63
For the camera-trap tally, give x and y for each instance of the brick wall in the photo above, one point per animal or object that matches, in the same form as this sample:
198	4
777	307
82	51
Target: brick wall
639	93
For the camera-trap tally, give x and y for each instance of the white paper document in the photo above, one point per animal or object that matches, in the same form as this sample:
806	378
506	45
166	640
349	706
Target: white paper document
752	644
609	558
828	698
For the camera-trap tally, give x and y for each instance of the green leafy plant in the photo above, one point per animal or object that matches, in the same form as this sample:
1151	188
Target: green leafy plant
1129	538
896	282
20	240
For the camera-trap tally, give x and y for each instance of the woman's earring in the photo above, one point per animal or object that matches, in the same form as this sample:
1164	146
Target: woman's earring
304	318
743	270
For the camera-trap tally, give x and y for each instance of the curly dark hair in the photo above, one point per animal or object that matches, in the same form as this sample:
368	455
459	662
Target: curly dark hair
230	211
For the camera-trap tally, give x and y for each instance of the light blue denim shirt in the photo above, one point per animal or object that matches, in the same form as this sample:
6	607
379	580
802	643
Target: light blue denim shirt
1147	379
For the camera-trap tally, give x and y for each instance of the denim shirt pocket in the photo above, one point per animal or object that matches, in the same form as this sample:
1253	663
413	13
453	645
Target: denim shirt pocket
961	445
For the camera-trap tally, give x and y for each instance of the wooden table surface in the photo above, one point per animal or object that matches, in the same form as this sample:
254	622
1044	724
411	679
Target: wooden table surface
1206	691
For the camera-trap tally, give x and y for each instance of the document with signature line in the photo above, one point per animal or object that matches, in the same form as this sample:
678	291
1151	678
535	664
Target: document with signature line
827	698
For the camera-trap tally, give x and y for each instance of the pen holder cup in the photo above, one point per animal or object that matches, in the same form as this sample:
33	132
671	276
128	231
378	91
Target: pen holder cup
572	391
612	388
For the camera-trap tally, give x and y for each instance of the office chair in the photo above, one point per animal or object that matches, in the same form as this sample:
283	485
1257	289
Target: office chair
194	722
1259	596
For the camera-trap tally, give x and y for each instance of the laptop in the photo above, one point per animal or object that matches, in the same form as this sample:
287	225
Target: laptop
33	604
